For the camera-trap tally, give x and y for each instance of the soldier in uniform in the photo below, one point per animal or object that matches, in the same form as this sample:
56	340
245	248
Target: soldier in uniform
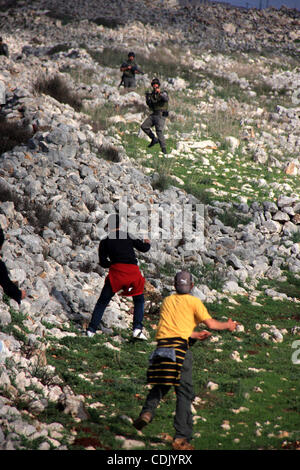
129	69
157	101
3	48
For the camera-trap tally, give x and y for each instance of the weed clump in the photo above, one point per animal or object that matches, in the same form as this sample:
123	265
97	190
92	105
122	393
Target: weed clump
72	228
233	220
162	178
111	23
36	213
58	48
56	15
199	190
210	274
110	153
12	134
58	88
161	181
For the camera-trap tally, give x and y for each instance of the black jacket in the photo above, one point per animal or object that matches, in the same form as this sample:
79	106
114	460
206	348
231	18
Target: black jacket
120	249
8	286
4	50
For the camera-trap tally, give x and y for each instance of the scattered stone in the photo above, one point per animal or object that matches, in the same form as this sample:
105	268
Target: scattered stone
212	386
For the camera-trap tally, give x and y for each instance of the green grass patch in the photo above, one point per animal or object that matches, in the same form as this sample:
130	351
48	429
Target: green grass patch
256	405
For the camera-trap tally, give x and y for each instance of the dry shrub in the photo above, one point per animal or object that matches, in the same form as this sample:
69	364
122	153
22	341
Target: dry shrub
12	133
58	88
108	22
110	153
36	213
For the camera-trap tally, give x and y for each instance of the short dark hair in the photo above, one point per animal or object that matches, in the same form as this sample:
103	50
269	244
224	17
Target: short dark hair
183	282
131	54
155	81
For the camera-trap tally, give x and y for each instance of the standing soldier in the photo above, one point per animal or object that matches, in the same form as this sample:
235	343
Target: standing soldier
157	101
3	48
129	69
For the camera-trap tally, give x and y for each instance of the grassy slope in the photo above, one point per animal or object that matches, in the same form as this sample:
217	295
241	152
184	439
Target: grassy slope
266	401
271	413
212	173
258	398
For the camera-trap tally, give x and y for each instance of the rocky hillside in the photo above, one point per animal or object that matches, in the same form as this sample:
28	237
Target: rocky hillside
233	139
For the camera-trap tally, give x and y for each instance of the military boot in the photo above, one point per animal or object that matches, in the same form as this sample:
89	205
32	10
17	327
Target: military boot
153	142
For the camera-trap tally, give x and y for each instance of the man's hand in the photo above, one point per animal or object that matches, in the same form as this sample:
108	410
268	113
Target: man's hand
23	295
231	324
200	335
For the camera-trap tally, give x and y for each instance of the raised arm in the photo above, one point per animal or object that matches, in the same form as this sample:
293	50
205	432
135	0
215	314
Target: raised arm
213	324
142	246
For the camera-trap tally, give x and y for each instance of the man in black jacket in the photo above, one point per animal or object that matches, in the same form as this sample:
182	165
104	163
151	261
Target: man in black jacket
116	252
3	48
7	285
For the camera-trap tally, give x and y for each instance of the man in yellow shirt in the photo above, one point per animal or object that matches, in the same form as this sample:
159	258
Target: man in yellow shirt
171	362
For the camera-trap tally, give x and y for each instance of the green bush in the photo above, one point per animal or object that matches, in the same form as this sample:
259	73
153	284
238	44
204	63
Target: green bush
209	274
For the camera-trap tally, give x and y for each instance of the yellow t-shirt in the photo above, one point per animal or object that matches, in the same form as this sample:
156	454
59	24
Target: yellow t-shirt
179	315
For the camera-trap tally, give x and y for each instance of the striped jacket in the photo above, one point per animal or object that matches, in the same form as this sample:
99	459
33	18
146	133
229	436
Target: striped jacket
163	370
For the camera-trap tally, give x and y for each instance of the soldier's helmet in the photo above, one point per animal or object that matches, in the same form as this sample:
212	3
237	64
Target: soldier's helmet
131	54
155	81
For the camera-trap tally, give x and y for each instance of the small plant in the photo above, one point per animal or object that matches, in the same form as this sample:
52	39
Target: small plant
198	190
58	88
111	23
221	124
58	48
110	153
12	134
108	57
79	74
162	181
162	178
56	15
37	214
72	228
209	274
86	266
233	220
98	117
296	237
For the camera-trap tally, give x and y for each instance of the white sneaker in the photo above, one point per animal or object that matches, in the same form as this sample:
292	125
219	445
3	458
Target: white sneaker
138	334
90	334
